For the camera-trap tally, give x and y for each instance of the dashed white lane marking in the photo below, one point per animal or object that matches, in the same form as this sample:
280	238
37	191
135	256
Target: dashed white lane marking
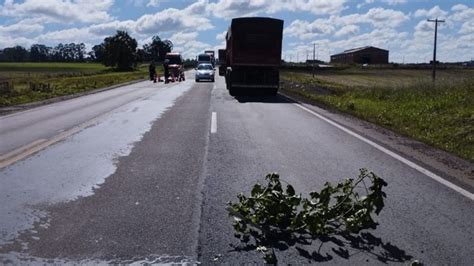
413	165
214	122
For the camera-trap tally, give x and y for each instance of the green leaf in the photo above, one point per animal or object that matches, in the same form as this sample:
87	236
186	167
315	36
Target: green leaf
290	190
271	213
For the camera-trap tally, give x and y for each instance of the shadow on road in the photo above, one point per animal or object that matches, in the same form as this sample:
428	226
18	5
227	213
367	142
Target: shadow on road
261	98
345	246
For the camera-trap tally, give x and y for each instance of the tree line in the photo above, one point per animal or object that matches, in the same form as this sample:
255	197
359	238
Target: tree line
118	51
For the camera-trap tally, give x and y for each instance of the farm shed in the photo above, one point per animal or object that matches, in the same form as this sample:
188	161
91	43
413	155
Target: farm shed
361	55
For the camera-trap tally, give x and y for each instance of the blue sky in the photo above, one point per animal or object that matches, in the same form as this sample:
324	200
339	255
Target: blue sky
399	26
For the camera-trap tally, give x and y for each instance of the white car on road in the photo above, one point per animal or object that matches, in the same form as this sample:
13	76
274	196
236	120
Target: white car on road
204	72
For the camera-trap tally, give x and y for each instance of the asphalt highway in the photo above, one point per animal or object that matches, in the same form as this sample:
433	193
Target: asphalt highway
143	174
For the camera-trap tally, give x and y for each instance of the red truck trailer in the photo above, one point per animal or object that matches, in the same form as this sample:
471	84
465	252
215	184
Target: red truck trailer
253	54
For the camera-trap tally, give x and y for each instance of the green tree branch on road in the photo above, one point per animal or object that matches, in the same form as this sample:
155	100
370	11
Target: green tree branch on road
274	216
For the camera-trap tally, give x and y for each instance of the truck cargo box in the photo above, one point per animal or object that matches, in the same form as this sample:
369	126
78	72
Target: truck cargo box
254	41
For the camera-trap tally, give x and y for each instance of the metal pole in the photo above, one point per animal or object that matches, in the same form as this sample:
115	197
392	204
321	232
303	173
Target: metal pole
436	21
314	51
434	50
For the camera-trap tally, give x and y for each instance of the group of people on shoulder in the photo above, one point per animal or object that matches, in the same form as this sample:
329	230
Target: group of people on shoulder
152	71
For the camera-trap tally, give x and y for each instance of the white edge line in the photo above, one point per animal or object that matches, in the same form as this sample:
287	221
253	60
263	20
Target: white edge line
413	165
214	122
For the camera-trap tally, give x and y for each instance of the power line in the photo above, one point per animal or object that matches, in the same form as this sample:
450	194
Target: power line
436	21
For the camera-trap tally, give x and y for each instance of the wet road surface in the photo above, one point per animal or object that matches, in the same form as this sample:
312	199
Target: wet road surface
149	182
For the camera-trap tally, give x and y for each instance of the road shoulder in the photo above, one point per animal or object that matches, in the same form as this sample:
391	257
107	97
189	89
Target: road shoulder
452	168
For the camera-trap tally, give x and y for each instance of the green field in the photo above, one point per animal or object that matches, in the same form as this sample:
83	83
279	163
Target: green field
29	82
405	101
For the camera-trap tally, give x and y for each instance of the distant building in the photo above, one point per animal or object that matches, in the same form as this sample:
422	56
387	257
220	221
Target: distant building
362	55
316	61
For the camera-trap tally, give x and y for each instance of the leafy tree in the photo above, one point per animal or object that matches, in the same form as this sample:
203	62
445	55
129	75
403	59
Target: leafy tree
15	54
140	55
97	53
157	49
71	52
40	53
120	51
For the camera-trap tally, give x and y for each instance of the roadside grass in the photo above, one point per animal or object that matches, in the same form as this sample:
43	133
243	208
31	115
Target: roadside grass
405	101
29	82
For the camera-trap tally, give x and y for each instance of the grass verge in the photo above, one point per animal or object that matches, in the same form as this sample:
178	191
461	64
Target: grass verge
404	101
22	83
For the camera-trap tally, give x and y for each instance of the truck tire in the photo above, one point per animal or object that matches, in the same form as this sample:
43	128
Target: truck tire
232	91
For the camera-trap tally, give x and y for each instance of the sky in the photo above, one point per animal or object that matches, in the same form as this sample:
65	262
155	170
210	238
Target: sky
333	26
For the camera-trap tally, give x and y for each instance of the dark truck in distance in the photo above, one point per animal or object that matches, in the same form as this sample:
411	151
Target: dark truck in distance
212	55
253	55
222	61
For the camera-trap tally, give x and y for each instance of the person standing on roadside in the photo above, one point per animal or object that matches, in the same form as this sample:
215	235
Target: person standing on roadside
166	69
152	71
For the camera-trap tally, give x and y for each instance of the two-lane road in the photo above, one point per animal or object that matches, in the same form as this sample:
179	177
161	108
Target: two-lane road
146	171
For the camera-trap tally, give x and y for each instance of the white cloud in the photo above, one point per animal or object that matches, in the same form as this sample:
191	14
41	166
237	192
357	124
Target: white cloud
318	7
424	26
462	13
349	29
59	11
380	17
76	35
9	41
110	28
467	27
366	2
192	48
221	36
238	8
394	2
171	19
377	17
305	30
154	3
182	38
21	28
435	12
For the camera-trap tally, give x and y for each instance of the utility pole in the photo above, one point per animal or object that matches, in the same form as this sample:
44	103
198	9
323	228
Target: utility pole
314	51
436	21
